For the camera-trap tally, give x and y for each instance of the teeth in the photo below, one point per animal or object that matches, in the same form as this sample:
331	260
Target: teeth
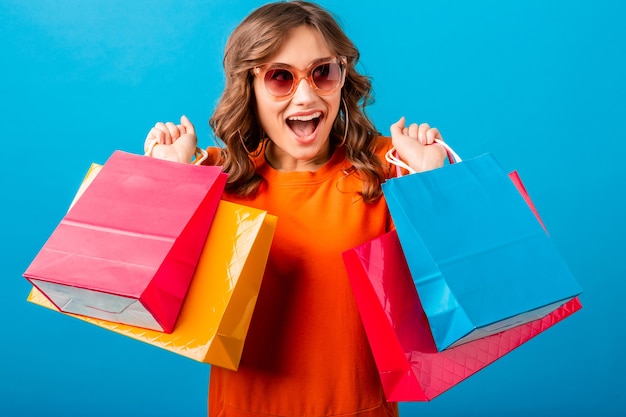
306	118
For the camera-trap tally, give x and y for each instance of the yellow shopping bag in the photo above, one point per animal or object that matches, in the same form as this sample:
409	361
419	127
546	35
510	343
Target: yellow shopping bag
217	310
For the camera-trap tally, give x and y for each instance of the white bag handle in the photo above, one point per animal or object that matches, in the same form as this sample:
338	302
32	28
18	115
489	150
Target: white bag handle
200	154
392	156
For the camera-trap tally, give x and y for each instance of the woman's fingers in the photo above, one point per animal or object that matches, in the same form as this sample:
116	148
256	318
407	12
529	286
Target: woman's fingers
167	133
421	134
413	130
425	134
162	133
412	144
173	130
187	125
398	128
181	139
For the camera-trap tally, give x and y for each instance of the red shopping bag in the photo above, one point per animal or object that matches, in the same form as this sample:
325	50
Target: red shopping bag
410	367
127	249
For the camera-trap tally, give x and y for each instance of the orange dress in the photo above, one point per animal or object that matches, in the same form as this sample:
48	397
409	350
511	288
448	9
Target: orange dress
306	353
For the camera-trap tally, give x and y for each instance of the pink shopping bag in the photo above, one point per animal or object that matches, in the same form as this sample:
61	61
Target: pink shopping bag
127	249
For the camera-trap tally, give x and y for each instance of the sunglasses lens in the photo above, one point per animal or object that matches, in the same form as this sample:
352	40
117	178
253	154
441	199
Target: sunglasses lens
278	82
327	76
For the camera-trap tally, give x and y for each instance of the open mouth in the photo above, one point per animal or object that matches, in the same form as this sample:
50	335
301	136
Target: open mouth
304	126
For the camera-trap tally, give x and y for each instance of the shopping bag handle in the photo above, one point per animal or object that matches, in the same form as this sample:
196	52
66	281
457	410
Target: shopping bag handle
392	157
200	154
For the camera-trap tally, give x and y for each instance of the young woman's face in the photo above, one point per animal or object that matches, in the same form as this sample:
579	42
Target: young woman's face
298	126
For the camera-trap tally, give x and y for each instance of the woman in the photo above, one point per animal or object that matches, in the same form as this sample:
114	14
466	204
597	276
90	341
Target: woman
299	145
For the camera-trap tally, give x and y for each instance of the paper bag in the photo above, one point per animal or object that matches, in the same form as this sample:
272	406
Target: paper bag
410	366
127	248
480	259
215	317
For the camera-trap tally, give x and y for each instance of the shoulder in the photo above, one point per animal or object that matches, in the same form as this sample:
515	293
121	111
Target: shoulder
382	146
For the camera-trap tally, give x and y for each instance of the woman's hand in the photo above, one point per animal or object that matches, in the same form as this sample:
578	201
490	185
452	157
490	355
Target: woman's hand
174	142
416	145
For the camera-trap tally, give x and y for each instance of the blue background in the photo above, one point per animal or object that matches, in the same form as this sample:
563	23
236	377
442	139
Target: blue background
539	83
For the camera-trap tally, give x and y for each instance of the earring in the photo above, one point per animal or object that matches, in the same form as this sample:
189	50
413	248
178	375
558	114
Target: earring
346	120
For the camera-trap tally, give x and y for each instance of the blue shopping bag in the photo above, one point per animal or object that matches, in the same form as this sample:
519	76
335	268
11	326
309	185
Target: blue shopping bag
480	259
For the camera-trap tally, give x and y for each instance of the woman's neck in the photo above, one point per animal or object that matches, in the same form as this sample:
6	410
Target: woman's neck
280	161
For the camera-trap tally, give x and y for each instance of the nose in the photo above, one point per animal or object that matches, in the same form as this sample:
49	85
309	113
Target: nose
304	93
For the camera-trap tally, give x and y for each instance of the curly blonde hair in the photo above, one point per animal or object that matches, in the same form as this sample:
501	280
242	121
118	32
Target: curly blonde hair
259	36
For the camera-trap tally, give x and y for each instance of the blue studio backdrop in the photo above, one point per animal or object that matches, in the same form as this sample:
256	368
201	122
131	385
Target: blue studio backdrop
541	84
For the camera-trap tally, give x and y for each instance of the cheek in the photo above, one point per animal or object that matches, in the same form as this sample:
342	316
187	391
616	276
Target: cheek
269	111
334	105
263	106
270	117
